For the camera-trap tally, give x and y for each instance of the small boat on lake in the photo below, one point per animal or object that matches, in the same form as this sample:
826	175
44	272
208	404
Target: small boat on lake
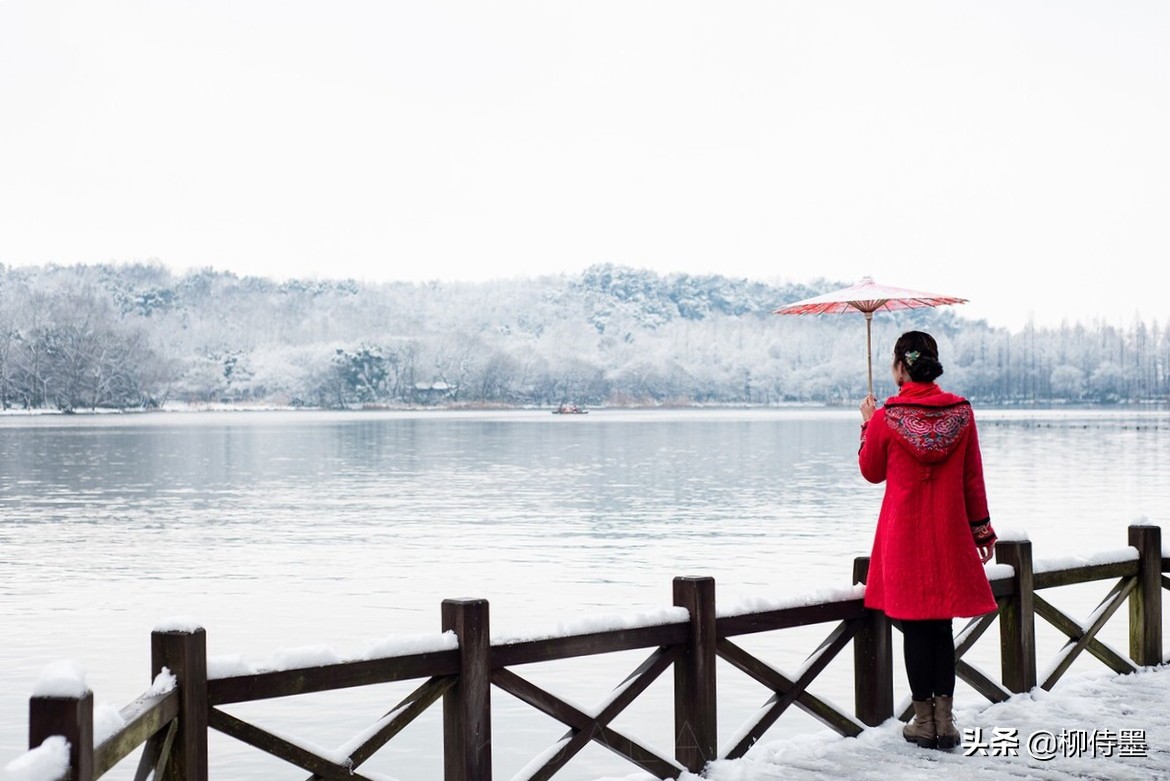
570	409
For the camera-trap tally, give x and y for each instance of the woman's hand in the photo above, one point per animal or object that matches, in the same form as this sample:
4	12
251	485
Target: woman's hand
868	405
985	552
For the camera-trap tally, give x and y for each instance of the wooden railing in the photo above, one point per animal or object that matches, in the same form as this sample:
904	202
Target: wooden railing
173	727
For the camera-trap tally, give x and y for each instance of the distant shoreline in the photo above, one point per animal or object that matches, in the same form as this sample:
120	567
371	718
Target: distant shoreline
178	408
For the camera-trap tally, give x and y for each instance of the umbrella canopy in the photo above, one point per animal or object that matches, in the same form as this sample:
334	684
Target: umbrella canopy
867	297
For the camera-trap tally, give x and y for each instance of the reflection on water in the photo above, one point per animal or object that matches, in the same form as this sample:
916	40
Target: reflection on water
293	529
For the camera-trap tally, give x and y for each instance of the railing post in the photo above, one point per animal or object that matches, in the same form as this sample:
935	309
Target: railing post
71	718
184	653
467	707
1017	618
695	737
1145	602
873	661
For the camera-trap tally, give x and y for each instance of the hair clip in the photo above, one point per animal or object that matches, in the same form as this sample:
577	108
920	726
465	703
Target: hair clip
911	357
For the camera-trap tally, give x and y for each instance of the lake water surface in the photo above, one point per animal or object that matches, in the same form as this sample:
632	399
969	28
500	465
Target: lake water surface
289	529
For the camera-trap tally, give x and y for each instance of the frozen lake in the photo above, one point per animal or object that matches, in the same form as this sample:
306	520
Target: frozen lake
292	529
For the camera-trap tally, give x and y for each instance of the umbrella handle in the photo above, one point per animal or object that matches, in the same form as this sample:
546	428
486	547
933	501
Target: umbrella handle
869	348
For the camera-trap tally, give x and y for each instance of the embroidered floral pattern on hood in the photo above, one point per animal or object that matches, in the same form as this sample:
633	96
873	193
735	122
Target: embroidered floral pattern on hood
931	432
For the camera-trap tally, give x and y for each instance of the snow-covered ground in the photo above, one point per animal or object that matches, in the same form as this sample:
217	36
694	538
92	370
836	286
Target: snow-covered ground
1113	727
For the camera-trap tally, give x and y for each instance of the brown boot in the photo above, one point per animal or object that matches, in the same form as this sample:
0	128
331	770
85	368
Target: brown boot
921	729
944	723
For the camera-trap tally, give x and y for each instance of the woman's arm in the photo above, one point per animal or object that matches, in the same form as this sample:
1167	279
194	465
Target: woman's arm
975	496
871	456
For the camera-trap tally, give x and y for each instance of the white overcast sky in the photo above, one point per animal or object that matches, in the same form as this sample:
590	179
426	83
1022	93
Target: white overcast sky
1015	153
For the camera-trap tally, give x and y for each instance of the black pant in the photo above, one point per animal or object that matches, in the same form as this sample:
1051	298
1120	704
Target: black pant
929	647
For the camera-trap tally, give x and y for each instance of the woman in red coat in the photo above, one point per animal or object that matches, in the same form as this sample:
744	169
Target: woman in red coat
934	532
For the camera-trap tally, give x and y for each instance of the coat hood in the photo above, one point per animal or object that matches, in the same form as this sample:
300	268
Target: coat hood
930	421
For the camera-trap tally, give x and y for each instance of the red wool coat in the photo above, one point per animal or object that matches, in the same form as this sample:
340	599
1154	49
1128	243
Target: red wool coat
924	563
